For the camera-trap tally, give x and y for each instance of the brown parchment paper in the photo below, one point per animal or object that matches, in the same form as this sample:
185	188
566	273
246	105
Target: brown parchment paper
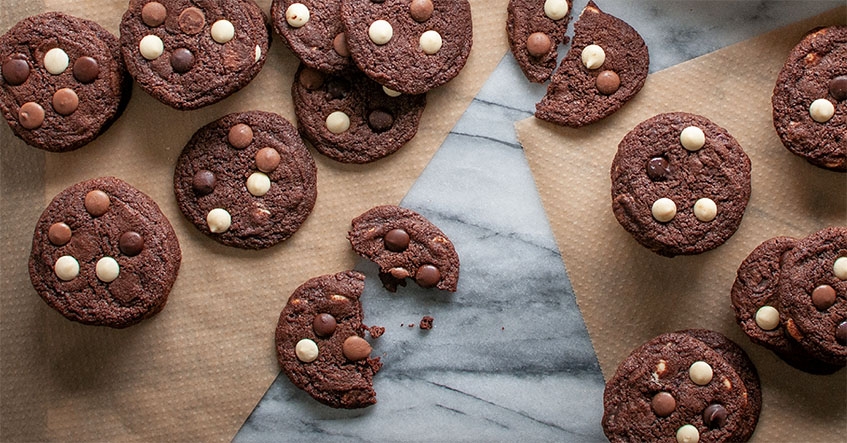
196	370
628	294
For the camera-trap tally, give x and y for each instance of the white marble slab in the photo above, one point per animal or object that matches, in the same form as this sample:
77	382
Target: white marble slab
509	358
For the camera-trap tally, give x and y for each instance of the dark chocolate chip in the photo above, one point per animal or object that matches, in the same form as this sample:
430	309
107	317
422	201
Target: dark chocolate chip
380	121
841	333
131	243
86	69
396	240
204	182
324	325
714	416
182	60
337	88
427	276
15	71
838	87
823	297
658	168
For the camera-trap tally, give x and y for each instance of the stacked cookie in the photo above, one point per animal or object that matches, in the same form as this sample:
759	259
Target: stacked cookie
366	66
320	336
686	386
790	296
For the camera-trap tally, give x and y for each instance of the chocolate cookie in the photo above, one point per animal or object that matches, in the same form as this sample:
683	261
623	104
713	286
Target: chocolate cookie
320	344
246	180
535	30
683	386
351	118
314	32
409	46
191	54
63	80
810	99
104	254
405	245
680	184
814	294
605	67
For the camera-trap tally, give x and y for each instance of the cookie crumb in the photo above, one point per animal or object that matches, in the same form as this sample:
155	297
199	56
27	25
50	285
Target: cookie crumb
376	331
426	322
411	325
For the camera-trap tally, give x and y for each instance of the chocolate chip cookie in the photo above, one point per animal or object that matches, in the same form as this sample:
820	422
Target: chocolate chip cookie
192	54
535	30
680	184
104	254
314	32
320	341
405	245
604	69
692	385
409	46
351	118
63	80
810	99
246	180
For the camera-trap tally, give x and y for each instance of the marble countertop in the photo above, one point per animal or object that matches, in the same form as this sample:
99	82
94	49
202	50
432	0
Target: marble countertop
509	356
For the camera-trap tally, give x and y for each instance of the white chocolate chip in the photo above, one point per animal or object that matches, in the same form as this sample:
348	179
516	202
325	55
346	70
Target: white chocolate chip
430	42
556	9
306	350
700	373
705	209
692	138
66	268
840	268
223	31
767	318
821	110
390	92
593	56
151	47
107	269
664	209
687	434
56	61
337	122
380	32
258	184
218	220
297	15
258	53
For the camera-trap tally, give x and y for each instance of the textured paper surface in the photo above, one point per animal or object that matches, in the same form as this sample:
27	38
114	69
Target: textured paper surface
628	294
196	370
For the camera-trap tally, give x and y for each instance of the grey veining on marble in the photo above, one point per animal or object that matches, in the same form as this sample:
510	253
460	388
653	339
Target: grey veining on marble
509	357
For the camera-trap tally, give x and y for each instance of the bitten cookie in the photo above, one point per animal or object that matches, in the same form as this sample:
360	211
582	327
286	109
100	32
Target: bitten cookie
409	46
692	385
246	180
680	184
535	30
813	286
405	245
810	99
63	80
604	69
320	344
192	54
350	118
314	32
104	254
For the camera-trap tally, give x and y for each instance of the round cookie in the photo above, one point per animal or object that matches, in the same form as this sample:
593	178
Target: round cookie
405	245
606	66
409	46
246	180
535	30
59	92
320	344
314	32
350	118
192	54
104	254
810	99
814	294
758	306
684	384
680	184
